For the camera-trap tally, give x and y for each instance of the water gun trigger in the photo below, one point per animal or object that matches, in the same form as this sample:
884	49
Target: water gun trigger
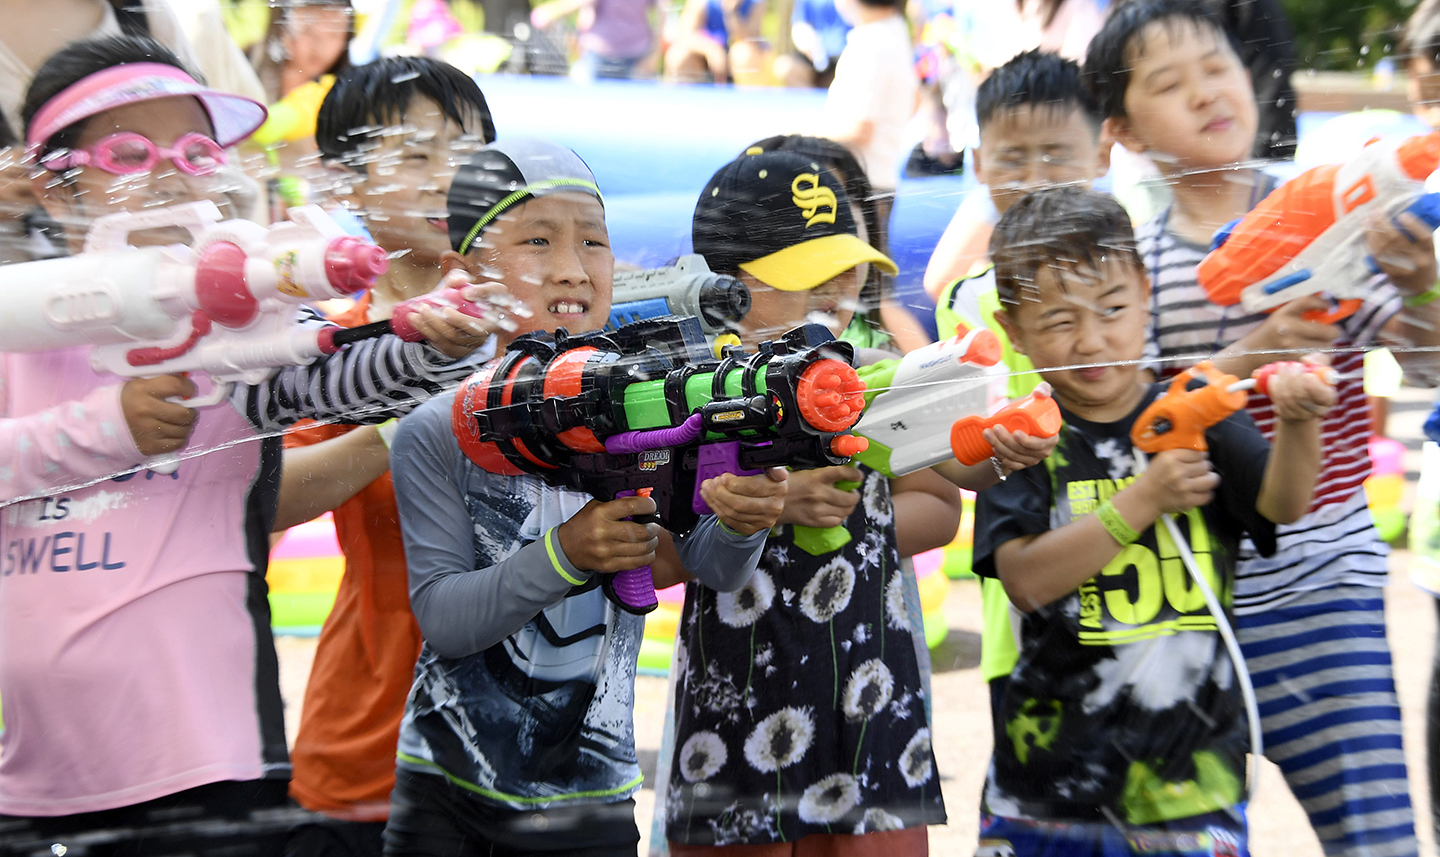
1340	309
1036	415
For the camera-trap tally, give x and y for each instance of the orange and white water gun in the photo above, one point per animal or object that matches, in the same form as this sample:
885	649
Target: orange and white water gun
1178	419
1308	236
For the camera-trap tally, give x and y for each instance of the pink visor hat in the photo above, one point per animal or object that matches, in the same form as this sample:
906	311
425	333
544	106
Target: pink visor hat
234	117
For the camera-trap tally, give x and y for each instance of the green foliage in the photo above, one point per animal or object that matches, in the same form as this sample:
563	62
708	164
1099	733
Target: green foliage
1346	35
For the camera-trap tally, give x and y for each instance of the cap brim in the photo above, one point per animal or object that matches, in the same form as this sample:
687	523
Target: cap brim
801	267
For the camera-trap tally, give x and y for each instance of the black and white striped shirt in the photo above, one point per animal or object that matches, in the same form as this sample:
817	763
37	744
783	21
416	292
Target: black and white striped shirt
1335	542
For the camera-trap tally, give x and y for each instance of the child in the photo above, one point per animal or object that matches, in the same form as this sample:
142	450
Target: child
1122	719
1039	127
517	735
421	118
874	93
800	714
141	687
1170	84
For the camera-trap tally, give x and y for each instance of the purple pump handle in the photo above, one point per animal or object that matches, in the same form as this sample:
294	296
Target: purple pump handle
631	442
634	589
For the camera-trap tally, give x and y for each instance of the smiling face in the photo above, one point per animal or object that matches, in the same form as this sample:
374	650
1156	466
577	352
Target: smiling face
407	175
84	193
1081	317
552	253
1189	103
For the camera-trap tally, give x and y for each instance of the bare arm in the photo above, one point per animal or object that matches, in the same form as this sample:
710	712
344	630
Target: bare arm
927	511
963	244
1038	570
318	478
1300	400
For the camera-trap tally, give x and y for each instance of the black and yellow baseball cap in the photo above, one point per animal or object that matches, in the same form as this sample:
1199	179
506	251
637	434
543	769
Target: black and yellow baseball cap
782	218
505	174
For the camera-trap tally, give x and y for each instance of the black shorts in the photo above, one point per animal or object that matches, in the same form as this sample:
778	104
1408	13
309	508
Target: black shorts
431	817
245	819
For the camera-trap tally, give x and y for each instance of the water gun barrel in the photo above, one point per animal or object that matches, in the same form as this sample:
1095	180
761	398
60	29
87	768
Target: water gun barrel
916	400
687	288
1308	236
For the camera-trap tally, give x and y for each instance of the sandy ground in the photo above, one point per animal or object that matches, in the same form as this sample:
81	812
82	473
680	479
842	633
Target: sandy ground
1278	825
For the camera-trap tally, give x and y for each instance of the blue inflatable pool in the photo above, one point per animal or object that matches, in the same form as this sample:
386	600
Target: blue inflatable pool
652	146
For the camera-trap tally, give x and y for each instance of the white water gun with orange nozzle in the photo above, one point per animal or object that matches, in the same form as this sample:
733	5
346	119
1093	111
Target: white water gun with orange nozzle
1308	236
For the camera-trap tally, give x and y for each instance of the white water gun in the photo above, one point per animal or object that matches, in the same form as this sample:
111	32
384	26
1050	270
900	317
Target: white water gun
1308	236
224	305
933	405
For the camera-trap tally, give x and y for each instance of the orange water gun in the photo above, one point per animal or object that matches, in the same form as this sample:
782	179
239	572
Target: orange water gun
1178	419
1308	236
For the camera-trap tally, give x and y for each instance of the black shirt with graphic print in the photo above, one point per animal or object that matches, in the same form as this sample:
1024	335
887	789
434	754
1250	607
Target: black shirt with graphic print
1124	704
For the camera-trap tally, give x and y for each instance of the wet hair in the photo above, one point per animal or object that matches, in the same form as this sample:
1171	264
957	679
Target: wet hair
7	134
1034	79
378	93
1112	53
1421	37
1062	226
77	61
840	160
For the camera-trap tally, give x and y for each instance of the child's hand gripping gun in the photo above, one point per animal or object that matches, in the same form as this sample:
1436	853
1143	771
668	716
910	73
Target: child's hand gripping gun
224	305
1178	419
646	408
931	406
1308	236
685	288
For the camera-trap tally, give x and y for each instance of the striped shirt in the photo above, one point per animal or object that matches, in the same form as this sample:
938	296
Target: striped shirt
1334	542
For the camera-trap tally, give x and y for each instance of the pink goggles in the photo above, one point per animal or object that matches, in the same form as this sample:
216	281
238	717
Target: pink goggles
127	152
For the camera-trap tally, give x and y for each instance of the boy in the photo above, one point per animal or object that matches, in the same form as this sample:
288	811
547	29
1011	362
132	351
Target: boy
420	118
1122	730
517	735
1170	83
1039	127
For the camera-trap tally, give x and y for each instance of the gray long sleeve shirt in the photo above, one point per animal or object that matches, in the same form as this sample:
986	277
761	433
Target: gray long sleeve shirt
526	680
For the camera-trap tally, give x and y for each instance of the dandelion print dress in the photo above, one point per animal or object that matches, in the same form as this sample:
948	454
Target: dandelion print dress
799	707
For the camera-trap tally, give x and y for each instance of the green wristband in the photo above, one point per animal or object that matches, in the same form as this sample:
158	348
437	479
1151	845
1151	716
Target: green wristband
1116	525
1423	298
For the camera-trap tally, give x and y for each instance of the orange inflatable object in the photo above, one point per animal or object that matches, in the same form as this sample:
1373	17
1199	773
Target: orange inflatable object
1308	236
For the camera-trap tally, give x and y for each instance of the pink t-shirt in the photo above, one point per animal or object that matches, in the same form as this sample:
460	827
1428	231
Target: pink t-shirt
133	661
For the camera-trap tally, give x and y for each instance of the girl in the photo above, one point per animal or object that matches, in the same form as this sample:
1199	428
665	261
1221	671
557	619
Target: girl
140	687
799	703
